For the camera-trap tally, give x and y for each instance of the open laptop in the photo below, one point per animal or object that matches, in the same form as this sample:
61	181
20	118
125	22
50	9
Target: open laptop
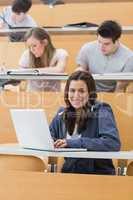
32	130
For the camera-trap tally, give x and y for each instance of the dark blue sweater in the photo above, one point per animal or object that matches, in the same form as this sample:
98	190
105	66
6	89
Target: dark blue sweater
101	134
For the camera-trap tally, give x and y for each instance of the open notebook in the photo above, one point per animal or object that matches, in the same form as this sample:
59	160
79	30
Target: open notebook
32	130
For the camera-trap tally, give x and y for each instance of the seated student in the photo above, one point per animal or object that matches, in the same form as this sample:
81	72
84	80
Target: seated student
42	54
85	123
16	16
107	55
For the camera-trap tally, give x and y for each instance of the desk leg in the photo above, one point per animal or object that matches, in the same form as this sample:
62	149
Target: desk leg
52	162
122	167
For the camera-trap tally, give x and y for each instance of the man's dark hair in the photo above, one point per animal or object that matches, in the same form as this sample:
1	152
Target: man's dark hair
19	6
110	29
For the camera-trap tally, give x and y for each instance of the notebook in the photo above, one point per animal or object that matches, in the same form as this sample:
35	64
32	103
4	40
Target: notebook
81	25
32	130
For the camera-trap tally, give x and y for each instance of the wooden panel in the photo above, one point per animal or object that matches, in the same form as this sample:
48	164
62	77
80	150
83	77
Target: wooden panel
20	162
10	53
9	2
92	12
19	186
88	1
130	169
122	104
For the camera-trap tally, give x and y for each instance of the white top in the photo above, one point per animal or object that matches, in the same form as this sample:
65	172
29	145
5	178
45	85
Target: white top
6	15
75	134
91	58
43	85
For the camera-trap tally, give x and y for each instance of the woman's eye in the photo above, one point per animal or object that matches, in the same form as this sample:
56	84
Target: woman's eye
81	91
72	91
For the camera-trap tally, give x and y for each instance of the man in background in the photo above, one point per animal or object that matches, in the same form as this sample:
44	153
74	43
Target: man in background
106	55
16	16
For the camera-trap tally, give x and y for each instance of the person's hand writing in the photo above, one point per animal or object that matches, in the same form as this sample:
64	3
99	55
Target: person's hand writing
60	143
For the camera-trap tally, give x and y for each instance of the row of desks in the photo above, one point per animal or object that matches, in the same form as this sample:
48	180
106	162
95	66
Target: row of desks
15	149
64	30
111	76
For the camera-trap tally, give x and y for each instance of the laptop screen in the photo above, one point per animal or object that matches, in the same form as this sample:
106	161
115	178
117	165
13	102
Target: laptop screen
32	130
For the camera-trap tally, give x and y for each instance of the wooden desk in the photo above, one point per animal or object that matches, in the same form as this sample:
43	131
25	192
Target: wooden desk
32	186
8	2
89	12
89	1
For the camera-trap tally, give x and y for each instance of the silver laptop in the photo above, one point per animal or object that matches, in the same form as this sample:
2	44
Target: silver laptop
32	130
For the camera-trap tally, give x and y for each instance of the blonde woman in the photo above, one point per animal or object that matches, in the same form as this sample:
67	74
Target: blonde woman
42	54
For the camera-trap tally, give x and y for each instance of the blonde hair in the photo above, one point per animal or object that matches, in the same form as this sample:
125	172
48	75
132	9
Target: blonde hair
43	61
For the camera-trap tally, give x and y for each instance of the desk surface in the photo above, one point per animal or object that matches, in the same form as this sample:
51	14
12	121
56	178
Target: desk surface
15	149
65	30
33	77
16	185
115	76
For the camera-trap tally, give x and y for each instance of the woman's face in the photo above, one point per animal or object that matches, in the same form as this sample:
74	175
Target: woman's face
36	47
78	94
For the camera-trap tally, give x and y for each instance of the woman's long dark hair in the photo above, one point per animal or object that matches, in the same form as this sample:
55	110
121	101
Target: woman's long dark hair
69	115
40	34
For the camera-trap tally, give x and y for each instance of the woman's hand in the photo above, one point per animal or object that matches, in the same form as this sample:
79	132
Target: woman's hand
60	143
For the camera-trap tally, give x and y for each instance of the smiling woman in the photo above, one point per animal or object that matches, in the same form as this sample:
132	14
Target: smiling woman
78	94
42	54
85	123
